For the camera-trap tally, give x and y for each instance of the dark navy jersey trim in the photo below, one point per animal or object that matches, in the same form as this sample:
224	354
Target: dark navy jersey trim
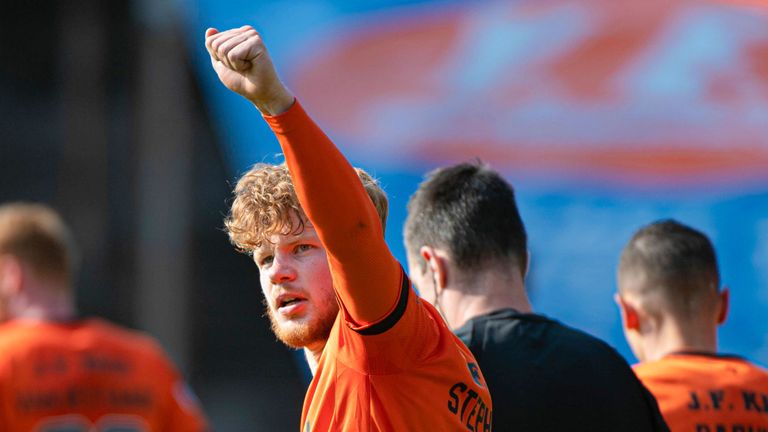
390	320
709	354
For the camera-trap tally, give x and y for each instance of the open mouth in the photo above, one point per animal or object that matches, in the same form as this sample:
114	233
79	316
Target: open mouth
288	301
288	304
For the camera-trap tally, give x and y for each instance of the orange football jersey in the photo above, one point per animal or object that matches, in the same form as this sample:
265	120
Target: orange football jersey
416	376
708	392
390	363
89	376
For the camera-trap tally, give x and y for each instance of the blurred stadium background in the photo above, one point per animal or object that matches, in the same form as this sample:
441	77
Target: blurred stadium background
605	115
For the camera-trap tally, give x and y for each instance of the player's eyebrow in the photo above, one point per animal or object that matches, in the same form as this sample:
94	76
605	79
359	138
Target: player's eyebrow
303	237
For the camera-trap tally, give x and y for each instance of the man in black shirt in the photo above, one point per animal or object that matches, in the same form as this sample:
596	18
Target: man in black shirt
467	254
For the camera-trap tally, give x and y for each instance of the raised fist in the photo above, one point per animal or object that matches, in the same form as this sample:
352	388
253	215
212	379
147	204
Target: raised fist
243	65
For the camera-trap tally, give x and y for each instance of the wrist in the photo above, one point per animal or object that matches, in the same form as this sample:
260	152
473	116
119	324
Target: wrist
276	104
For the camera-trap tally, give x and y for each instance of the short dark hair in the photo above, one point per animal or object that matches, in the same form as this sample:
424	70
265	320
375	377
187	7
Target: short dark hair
470	210
676	261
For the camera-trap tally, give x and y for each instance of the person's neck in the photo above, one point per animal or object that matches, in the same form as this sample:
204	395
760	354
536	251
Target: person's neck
313	353
45	303
673	338
484	292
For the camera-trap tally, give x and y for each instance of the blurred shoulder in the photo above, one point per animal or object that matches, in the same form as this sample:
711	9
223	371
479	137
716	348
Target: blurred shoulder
124	338
20	337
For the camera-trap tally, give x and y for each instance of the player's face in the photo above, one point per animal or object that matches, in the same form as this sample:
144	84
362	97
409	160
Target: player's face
298	292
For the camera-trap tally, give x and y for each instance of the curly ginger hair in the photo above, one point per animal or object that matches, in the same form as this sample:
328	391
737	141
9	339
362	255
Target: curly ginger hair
265	203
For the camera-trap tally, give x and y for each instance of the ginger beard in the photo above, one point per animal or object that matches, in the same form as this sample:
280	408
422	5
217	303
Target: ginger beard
296	281
308	330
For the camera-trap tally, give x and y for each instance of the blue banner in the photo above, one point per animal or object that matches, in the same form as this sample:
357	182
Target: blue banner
604	115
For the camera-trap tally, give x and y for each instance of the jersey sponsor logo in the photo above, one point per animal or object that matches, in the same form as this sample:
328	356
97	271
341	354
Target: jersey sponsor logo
469	406
678	91
475	371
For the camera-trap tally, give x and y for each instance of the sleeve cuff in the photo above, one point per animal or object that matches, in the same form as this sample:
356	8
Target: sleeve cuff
289	120
393	317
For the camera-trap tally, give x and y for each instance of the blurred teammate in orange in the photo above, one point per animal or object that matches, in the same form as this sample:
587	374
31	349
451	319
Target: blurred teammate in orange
671	304
383	360
61	373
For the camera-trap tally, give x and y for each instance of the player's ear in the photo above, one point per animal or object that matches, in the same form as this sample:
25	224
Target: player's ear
630	317
11	275
436	264
527	264
724	300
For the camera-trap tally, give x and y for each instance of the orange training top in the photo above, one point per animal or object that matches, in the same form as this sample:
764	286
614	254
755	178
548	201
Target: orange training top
708	392
89	376
390	363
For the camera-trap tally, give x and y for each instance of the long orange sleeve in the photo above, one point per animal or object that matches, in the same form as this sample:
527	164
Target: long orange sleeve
366	275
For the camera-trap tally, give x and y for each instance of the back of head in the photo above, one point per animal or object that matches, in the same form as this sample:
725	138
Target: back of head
265	203
672	269
469	210
35	235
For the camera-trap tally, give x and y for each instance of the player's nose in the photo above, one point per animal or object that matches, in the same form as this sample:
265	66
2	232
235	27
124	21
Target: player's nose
282	269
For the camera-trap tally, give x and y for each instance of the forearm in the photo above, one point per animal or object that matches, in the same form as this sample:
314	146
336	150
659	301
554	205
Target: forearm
335	201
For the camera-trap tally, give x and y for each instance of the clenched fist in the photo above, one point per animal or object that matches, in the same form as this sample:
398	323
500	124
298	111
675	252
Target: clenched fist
243	65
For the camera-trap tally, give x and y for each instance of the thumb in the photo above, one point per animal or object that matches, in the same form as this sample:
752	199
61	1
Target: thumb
210	32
